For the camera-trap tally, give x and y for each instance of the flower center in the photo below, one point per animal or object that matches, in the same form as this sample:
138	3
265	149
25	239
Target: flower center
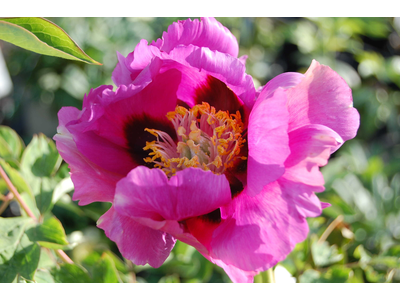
206	139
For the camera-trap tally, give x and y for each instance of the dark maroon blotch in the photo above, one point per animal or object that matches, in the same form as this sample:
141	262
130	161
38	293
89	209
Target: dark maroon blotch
219	95
137	136
213	217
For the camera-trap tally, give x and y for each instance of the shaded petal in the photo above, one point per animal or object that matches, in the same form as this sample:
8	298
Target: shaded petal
226	68
92	183
115	137
302	197
258	231
325	205
310	148
268	141
243	59
323	97
235	274
128	69
122	73
147	193
102	152
136	242
155	100
205	33
197	86
285	80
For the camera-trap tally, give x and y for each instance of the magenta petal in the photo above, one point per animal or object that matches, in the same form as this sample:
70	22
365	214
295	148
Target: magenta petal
284	80
235	274
136	242
92	183
132	102
103	153
268	141
128	69
310	148
226	68
323	97
205	33
325	205
113	135
258	231
147	193
302	197
122	73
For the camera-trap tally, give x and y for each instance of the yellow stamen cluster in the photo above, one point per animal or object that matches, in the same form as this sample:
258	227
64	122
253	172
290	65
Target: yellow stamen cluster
206	139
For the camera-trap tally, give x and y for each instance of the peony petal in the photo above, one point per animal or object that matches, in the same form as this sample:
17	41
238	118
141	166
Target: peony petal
235	274
224	67
197	66
205	33
92	183
102	152
325	205
115	137
323	97
136	242
122	73
259	231
284	80
302	197
268	141
147	193
310	148
197	86
243	59
128	69
162	91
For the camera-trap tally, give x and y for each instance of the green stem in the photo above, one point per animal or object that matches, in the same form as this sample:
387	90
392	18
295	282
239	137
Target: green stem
6	201
64	256
330	228
13	190
269	276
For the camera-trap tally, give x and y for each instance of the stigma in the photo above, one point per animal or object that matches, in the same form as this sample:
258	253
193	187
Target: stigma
207	139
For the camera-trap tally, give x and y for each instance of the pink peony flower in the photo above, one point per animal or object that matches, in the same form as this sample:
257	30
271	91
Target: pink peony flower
186	149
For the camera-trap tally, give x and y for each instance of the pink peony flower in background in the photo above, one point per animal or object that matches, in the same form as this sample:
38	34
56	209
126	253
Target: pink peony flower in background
186	149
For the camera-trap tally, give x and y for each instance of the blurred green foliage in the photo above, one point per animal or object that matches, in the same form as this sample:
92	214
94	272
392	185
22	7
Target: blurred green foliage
354	240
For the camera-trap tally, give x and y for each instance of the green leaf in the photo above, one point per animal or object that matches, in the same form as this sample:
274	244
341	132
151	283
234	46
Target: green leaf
42	36
117	261
310	276
47	259
50	234
335	274
43	276
374	276
323	254
17	180
43	198
22	187
41	158
18	254
62	188
362	255
39	163
11	231
393	251
24	262
338	274
11	144
69	273
101	268
174	278
384	263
